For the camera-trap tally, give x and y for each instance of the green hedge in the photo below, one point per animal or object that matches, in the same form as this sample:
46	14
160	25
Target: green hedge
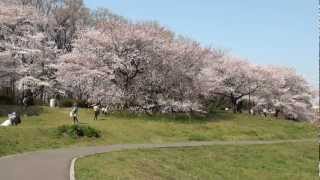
70	102
7	100
77	131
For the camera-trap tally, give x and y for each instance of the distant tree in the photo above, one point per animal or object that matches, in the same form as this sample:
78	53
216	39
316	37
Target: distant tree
65	18
101	15
286	93
69	17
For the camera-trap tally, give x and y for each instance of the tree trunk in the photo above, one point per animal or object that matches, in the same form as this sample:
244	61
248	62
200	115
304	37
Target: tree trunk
234	104
239	106
277	113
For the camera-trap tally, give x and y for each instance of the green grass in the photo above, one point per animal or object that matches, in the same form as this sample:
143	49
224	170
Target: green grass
39	131
263	162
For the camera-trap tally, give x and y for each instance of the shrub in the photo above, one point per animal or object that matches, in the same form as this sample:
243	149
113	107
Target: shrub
66	102
30	111
82	103
76	131
7	100
70	102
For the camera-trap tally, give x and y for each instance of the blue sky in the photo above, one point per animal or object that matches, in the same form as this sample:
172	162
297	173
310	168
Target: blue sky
278	32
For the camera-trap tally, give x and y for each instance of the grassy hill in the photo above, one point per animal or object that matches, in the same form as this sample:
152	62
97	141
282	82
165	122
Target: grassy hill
39	131
263	162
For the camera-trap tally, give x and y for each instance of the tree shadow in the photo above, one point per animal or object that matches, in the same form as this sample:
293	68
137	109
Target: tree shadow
218	116
176	117
29	111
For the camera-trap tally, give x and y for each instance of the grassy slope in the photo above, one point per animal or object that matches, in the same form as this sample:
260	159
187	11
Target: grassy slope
38	132
263	162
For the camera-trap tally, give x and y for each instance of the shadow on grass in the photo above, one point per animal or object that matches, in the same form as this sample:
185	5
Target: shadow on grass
217	116
177	117
30	111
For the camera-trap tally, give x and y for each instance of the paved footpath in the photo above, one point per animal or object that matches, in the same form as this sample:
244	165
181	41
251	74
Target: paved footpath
55	164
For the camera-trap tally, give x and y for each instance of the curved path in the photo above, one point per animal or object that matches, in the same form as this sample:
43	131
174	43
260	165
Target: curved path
55	164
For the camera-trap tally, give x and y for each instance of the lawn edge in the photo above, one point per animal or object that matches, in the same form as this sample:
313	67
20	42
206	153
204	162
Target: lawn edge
72	167
182	145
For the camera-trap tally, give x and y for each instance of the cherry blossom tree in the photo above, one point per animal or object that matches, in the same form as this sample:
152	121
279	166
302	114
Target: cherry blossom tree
286	93
232	78
142	63
50	46
25	47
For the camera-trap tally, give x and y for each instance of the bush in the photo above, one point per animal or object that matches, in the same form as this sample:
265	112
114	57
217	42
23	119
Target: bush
30	111
76	131
7	100
70	102
82	103
66	102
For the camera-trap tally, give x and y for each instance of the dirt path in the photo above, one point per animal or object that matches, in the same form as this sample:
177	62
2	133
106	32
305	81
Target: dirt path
55	164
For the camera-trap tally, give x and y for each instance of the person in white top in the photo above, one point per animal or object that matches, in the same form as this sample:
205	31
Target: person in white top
74	114
104	110
251	111
96	110
265	112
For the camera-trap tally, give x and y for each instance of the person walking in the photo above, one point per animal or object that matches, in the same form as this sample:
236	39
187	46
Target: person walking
265	112
252	112
106	110
96	110
74	114
25	102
